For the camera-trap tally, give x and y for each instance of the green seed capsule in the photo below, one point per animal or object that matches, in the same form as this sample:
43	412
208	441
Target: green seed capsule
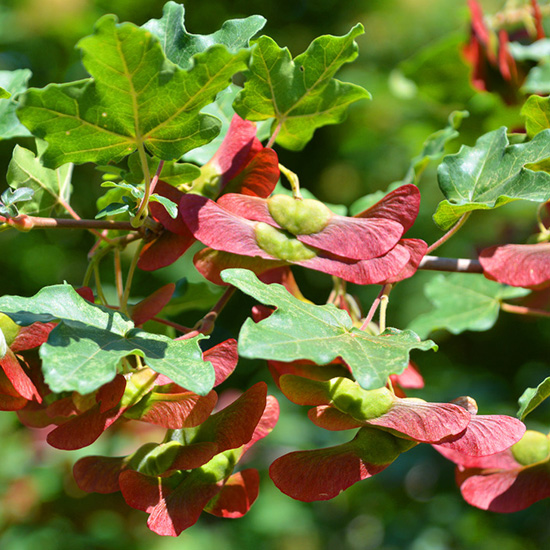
379	447
280	245
299	217
348	397
532	447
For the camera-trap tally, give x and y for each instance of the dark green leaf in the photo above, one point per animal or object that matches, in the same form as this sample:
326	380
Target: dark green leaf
13	83
491	174
300	330
136	97
180	46
300	94
532	398
85	348
51	188
463	302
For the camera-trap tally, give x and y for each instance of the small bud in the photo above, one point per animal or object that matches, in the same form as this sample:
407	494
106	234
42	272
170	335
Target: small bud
21	223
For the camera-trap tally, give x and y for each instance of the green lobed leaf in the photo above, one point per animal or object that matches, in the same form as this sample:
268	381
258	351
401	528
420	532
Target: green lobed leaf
532	398
300	330
491	174
463	301
12	83
85	348
51	187
136	97
180	46
300	94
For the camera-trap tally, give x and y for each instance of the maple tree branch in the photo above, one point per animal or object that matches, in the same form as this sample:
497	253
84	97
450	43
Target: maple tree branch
30	222
455	265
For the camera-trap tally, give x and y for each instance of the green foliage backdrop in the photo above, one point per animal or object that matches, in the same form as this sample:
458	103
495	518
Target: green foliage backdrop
414	506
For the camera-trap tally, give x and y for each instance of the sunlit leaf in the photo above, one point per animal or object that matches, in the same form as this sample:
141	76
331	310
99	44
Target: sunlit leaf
301	94
136	97
84	349
12	83
180	46
299	330
51	187
491	174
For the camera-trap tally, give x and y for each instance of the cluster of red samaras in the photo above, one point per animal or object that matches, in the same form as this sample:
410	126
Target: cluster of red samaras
192	470
245	228
493	67
251	228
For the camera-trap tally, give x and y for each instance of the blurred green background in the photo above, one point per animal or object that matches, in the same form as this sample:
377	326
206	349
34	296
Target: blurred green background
414	504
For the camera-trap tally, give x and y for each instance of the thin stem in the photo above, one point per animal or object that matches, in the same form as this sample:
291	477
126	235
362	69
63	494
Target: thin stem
118	275
384	299
98	286
372	310
449	233
75	216
141	213
522	310
129	277
455	265
92	266
206	324
177	326
274	135
293	180
156	177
